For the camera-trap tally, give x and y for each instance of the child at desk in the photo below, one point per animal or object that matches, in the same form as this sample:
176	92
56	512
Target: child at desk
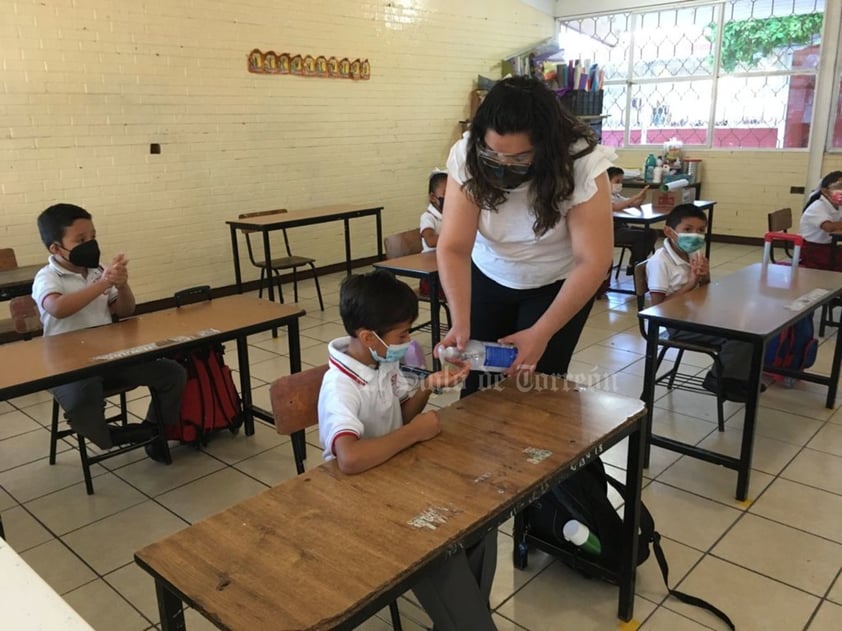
680	266
822	215
368	413
640	241
73	291
431	218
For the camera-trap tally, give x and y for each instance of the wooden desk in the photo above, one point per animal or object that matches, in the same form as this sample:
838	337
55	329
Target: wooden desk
748	305
326	551
308	217
18	281
423	265
47	361
638	183
28	603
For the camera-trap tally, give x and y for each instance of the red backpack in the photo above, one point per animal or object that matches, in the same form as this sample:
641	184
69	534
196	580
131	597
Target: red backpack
210	401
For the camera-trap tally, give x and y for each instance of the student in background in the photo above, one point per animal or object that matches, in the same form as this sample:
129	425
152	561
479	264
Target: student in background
821	216
680	266
640	241
369	412
73	291
431	218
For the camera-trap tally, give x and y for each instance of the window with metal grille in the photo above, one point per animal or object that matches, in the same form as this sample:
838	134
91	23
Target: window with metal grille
737	74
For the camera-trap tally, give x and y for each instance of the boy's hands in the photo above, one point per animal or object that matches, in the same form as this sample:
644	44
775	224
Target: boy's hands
454	375
700	266
117	272
425	426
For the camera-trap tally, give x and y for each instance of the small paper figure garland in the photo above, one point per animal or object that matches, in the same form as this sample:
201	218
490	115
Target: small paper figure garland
271	62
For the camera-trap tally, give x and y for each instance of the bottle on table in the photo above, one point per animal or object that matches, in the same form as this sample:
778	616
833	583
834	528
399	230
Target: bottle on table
649	167
484	356
580	535
658	171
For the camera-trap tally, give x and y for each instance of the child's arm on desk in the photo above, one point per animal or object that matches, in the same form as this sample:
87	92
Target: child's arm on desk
355	456
65	305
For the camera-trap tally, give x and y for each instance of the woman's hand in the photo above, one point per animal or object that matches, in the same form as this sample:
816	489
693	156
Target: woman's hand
457	336
530	348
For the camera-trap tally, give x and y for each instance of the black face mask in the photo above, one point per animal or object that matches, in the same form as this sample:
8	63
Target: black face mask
441	203
507	177
85	254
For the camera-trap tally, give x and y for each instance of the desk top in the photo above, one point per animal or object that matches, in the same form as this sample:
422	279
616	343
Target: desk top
423	263
304	216
752	300
27	602
318	548
648	215
43	361
19	276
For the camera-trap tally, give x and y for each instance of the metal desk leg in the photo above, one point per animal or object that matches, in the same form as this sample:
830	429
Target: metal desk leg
379	223
347	246
235	250
169	608
834	370
631	521
245	384
295	366
435	320
269	276
648	395
709	233
747	447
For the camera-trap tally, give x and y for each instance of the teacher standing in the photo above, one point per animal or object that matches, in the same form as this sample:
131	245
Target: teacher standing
528	233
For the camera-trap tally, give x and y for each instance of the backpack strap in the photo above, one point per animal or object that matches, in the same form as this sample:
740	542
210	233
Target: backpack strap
650	535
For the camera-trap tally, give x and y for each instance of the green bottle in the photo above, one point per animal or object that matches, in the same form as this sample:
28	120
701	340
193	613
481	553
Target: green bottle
580	535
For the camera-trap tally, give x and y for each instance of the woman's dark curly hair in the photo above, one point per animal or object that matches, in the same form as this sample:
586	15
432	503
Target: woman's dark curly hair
521	104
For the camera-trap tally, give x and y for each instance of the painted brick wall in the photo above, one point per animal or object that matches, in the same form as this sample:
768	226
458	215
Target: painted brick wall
87	85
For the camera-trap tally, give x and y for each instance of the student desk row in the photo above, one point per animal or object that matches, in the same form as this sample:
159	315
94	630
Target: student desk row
326	551
18	281
753	304
44	362
309	217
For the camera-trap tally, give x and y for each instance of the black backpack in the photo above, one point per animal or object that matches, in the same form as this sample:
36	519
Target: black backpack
584	498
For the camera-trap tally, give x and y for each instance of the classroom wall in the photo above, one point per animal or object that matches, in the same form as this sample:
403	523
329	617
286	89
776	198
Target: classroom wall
89	84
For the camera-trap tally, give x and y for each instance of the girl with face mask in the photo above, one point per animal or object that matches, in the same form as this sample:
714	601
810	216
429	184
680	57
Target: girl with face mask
822	216
528	232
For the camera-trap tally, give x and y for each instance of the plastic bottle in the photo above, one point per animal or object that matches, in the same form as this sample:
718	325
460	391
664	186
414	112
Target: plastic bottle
649	167
658	171
484	356
580	535
666	173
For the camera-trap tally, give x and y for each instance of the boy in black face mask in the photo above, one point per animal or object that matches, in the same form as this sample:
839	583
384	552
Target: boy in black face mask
73	291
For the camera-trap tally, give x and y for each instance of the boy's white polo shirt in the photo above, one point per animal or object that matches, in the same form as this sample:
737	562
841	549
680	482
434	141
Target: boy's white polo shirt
431	218
358	399
666	271
55	279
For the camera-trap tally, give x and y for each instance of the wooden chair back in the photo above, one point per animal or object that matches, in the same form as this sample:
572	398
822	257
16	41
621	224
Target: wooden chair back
25	316
403	243
780	220
295	403
7	259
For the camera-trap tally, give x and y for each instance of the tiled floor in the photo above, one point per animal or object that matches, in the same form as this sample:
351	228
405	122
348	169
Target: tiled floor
772	562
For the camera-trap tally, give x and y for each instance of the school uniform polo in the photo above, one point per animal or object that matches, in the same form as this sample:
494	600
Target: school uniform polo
814	216
431	218
666	271
55	279
358	399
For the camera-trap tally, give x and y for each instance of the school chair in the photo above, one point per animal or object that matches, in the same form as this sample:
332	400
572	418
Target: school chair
27	322
780	221
406	243
295	401
288	262
674	379
8	261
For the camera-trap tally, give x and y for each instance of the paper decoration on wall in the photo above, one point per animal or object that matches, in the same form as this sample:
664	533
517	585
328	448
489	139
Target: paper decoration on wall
271	62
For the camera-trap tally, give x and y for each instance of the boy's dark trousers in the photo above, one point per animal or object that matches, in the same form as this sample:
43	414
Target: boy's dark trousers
734	355
82	401
456	593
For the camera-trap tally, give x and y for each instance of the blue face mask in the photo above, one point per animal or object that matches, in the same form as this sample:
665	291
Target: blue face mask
690	242
394	352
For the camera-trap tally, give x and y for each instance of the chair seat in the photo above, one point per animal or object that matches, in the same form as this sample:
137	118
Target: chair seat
286	262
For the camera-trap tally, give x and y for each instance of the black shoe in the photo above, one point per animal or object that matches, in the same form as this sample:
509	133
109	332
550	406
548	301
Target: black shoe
131	433
155	452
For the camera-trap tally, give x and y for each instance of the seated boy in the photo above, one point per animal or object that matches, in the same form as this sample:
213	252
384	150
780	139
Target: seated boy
680	266
74	292
640	241
368	413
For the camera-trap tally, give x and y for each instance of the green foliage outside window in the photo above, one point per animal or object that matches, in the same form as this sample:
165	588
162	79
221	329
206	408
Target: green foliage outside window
748	41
